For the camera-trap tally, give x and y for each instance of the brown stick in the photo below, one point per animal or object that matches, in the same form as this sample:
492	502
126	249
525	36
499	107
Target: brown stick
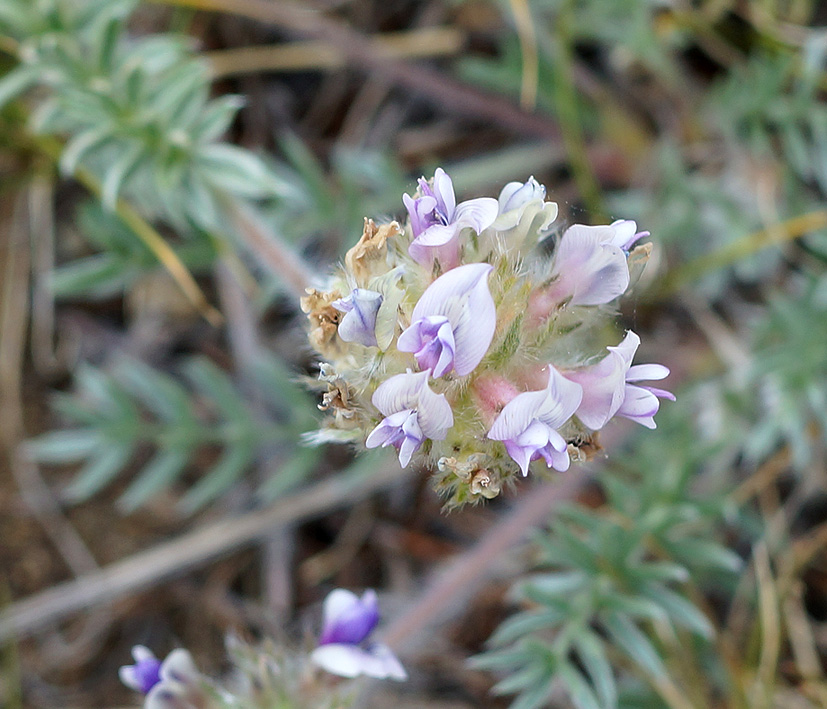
456	584
148	568
447	93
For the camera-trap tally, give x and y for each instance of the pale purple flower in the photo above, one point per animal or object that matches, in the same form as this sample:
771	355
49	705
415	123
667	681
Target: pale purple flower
144	674
517	194
528	423
359	323
590	263
453	323
344	649
437	220
412	413
175	682
608	389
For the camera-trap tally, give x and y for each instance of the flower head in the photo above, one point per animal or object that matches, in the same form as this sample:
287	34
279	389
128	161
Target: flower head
528	423
173	683
517	194
437	220
144	674
412	413
453	322
608	389
343	648
590	264
359	322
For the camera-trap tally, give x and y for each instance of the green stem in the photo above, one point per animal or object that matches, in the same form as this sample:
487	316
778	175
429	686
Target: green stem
565	102
741	248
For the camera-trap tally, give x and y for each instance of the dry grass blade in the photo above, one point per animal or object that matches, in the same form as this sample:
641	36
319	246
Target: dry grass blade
304	56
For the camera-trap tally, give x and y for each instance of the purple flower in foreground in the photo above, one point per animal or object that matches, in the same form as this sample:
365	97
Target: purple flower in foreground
343	650
453	323
590	263
608	389
528	423
144	674
175	682
412	413
437	220
359	322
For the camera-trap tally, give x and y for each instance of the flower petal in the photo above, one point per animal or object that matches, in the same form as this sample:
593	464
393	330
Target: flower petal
557	459
168	695
625	233
341	660
520	455
639	405
359	323
590	269
604	387
563	398
517	194
351	661
444	193
348	618
517	415
478	214
646	371
474	329
399	392
434	414
179	667
389	430
420	210
457	283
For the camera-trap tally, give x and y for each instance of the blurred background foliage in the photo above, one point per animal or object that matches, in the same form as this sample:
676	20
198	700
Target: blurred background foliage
165	203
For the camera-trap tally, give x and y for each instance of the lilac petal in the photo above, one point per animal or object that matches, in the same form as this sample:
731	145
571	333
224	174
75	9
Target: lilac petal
520	455
591	269
142	676
604	387
553	405
478	214
359	323
399	392
142	653
557	459
168	695
517	415
434	414
646	371
450	288
475	326
348	618
461	296
625	233
352	661
515	194
444	193
447	254
179	667
409	446
535	436
562	399
389	431
660	393
420	210
431	340
627	348
436	235
640	406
